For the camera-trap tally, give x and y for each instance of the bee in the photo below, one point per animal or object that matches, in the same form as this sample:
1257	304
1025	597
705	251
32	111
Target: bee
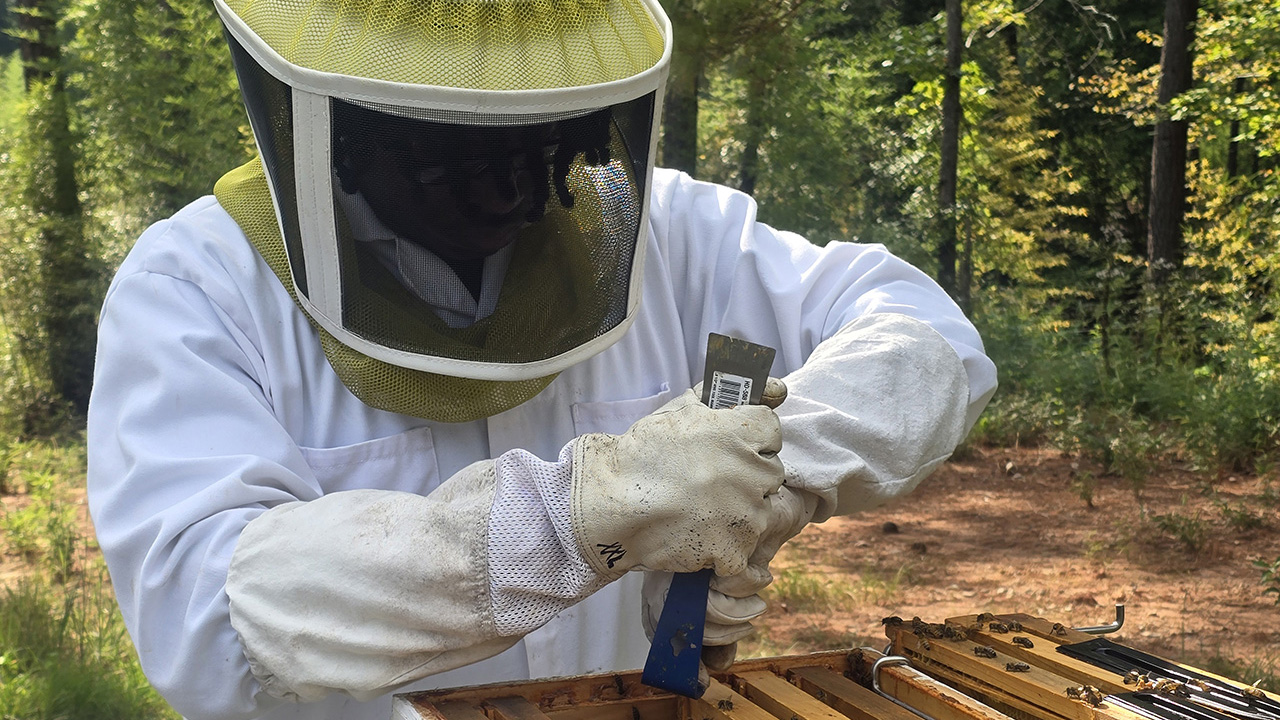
1024	642
1254	691
928	630
1133	677
984	651
1058	629
1086	693
985	617
1014	626
1198	684
997	627
1167	686
1017	667
1091	695
924	644
951	632
891	621
724	704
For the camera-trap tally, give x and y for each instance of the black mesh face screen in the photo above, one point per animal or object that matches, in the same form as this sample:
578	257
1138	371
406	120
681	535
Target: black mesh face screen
564	194
458	179
269	103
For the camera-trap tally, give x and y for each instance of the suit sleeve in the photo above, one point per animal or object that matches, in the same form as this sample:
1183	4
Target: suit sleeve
242	583
886	374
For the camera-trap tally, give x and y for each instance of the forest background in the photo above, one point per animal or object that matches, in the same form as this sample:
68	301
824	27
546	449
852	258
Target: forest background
1094	183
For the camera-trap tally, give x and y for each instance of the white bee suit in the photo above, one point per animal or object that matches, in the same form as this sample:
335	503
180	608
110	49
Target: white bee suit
213	404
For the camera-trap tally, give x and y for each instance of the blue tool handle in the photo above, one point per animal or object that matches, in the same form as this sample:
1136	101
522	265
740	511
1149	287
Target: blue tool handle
676	651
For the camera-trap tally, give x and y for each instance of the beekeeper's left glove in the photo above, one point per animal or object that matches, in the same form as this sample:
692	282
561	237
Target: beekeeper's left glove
734	601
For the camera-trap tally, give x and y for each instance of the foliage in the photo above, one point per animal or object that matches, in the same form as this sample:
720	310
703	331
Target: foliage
1237	62
64	651
1259	672
44	532
1270	578
1191	531
67	656
162	113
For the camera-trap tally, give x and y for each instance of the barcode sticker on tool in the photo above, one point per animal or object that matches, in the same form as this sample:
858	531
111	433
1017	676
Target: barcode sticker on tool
728	390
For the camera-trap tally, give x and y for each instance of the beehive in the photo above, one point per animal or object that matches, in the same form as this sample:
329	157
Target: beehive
936	675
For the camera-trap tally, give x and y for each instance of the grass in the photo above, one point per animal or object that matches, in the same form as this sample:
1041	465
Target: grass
1264	671
799	590
67	655
65	652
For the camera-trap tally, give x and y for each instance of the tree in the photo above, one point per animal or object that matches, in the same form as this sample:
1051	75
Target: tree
706	32
1169	146
161	107
65	267
951	116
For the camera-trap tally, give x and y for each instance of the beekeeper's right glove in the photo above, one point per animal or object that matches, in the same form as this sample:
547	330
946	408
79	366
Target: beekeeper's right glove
683	489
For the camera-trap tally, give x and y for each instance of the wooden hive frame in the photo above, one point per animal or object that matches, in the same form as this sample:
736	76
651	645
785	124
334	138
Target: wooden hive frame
945	680
802	687
1037	692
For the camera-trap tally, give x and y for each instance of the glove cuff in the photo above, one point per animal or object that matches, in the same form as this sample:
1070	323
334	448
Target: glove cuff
608	557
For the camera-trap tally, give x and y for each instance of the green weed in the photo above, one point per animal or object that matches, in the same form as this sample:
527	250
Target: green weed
1084	485
64	651
44	532
801	591
1270	577
1191	531
1239	516
1263	671
874	588
67	656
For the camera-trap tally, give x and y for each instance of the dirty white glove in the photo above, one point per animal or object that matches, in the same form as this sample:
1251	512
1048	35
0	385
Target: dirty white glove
683	489
728	618
734	601
789	511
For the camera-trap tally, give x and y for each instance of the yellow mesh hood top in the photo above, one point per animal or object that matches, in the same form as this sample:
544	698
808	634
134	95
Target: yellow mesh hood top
472	44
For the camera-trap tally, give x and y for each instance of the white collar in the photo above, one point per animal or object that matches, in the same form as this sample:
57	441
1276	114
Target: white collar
422	271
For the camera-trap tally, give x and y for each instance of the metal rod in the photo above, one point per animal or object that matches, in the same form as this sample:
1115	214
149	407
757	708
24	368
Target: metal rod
1105	629
875	681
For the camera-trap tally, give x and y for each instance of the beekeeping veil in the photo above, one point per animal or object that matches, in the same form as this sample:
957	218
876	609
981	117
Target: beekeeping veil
459	186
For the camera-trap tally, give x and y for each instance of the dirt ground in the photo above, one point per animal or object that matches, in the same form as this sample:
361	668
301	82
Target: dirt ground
1008	531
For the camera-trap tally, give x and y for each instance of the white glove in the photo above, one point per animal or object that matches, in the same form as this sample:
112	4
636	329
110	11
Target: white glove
683	489
733	601
789	511
728	618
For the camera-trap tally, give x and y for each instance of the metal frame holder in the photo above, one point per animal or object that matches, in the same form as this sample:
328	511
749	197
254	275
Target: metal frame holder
875	681
1108	628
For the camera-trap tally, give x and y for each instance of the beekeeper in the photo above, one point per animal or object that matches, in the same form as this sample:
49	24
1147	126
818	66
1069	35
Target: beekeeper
405	403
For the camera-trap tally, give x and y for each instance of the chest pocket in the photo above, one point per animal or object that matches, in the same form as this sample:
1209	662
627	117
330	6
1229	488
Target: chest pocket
615	416
405	461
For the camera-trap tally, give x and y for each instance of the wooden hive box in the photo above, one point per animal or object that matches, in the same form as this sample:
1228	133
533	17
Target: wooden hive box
944	680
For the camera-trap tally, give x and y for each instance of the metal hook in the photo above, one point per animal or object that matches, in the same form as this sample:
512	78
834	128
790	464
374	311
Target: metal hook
1105	629
875	681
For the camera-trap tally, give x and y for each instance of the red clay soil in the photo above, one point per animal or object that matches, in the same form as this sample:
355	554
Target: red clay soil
1006	531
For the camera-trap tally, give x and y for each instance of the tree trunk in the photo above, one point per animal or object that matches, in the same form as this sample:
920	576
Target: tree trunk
754	131
951	116
1169	147
680	110
37	27
1233	147
67	305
